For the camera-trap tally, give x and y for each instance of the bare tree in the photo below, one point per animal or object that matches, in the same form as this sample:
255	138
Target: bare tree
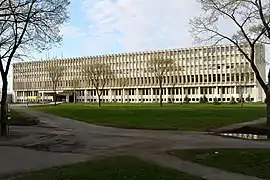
242	78
251	20
173	91
98	75
123	82
26	26
25	76
160	65
75	83
55	72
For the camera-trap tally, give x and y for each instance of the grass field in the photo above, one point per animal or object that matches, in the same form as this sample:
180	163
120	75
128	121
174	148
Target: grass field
195	117
114	168
253	162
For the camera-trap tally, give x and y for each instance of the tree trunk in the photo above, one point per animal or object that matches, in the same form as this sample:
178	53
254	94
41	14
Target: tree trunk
27	99
3	121
268	110
242	97
74	96
54	97
122	97
182	95
259	78
268	100
160	92
99	104
173	91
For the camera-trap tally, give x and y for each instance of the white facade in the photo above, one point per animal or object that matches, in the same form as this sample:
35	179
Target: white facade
216	72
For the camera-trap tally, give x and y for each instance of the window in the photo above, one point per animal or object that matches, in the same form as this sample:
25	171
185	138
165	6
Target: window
210	90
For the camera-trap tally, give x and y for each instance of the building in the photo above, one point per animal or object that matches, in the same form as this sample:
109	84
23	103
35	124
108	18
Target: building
214	71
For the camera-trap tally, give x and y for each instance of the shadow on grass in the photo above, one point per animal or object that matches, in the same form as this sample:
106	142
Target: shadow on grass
21	119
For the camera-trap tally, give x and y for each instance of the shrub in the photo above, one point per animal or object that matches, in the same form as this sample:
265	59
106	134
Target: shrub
203	99
241	99
233	100
186	99
248	99
216	101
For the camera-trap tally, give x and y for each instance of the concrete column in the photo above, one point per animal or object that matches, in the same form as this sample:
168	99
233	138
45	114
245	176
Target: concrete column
167	94
123	96
85	95
137	94
32	94
110	95
14	96
43	97
152	94
235	87
23	97
127	95
67	98
182	94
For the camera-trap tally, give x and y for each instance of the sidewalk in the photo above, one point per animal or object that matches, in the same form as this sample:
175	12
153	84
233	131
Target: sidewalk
16	159
207	173
239	125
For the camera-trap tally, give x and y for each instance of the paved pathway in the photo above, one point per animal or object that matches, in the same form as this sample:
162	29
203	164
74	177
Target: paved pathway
99	137
16	159
239	125
65	135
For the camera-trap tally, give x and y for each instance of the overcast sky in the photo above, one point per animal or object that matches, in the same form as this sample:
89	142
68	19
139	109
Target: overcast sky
112	26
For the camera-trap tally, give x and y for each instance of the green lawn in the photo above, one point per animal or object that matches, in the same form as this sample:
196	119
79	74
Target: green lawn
253	162
114	168
197	117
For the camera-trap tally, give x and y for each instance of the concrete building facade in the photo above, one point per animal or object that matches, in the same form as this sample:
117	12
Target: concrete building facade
214	71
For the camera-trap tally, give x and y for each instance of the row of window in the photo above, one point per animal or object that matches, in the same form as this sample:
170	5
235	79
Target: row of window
176	91
156	91
157	100
195	51
147	100
208	78
33	71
